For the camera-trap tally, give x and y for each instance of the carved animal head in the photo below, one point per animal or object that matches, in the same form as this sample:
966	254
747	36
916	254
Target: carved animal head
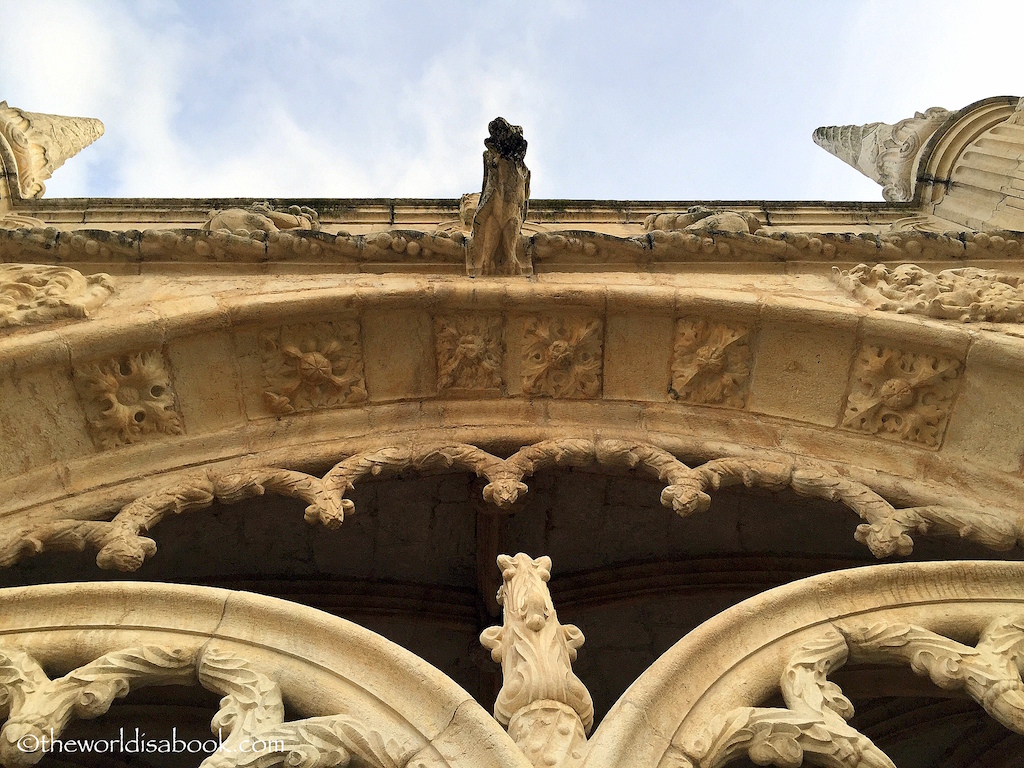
504	492
535	651
505	139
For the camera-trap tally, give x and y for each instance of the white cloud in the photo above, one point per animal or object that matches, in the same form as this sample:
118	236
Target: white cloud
371	99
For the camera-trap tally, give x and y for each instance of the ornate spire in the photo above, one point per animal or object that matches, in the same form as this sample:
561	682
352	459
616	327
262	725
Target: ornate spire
41	143
884	153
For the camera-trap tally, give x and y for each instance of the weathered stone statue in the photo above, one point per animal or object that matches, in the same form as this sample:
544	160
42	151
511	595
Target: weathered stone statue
495	248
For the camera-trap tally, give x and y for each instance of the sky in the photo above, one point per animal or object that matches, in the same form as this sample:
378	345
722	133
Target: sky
686	100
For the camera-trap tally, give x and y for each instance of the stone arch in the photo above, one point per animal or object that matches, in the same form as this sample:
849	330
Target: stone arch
345	689
962	623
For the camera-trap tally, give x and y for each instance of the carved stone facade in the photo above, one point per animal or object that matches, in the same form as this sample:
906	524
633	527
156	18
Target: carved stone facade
470	352
32	293
698	442
711	363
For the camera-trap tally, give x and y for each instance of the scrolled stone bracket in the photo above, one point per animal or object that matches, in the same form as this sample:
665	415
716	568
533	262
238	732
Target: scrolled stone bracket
886	529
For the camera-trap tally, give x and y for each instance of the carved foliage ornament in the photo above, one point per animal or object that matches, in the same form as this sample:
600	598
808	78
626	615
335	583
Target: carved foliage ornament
251	712
31	293
886	529
470	352
901	395
311	366
813	726
127	398
967	294
545	707
562	356
711	363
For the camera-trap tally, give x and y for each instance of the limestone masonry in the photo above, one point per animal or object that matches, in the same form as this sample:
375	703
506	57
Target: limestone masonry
706	422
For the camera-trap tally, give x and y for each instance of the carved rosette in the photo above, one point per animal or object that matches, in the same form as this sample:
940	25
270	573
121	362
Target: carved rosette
711	363
128	398
36	293
470	351
312	366
562	356
901	395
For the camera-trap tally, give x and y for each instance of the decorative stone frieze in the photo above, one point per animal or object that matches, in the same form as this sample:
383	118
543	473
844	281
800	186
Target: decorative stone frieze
901	395
470	352
562	356
711	362
128	398
966	294
37	293
312	366
546	708
886	529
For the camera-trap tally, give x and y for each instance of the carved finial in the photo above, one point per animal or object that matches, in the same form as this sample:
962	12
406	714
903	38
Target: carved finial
884	153
496	247
545	707
41	143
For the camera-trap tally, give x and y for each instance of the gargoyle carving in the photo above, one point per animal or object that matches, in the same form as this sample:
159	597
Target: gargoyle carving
261	217
546	708
495	248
